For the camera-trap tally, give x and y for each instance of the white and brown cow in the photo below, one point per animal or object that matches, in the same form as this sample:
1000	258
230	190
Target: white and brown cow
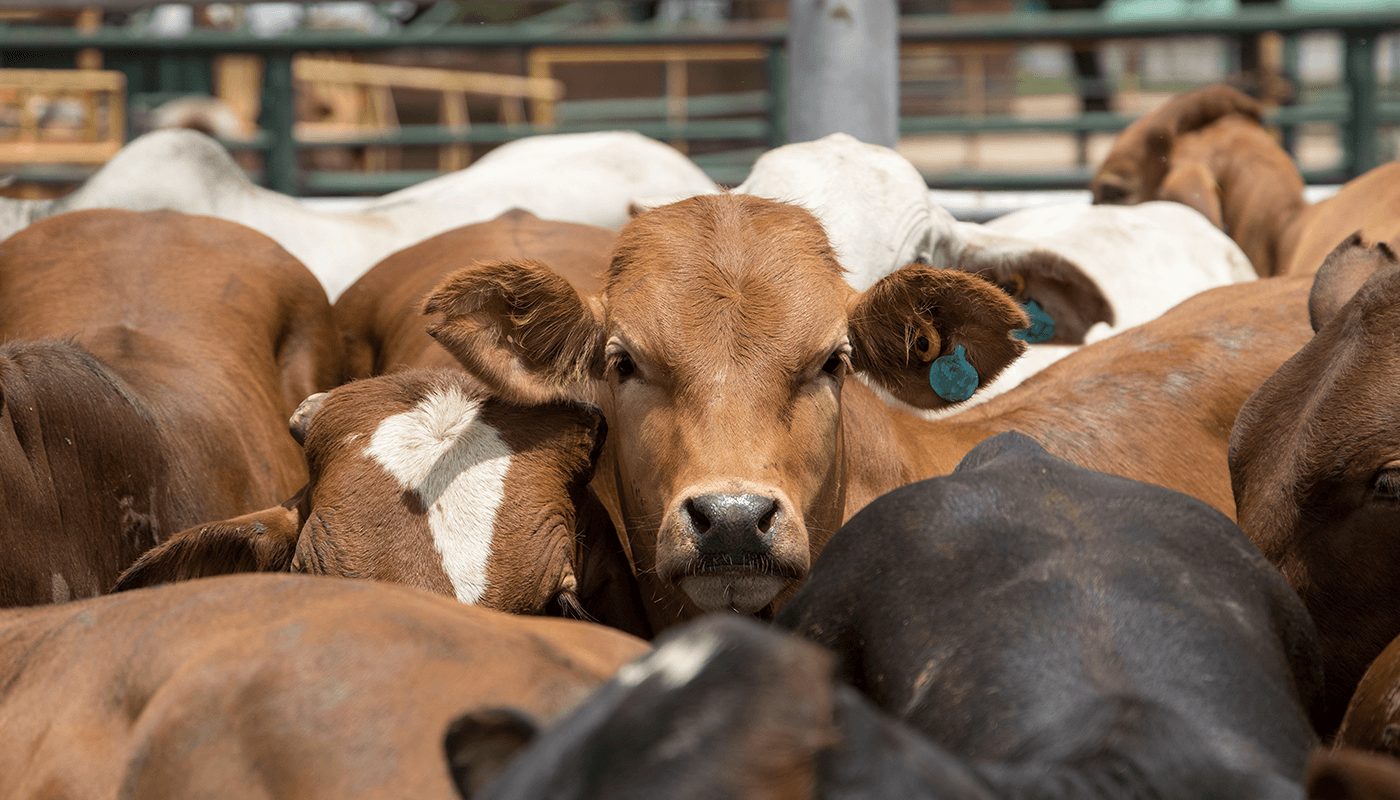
275	686
719	350
421	478
151	362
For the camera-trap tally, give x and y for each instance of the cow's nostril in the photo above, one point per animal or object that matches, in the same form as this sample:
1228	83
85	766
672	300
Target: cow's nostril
765	523
698	518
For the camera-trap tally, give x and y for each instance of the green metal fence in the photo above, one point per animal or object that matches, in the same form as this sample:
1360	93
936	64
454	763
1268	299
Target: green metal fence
182	65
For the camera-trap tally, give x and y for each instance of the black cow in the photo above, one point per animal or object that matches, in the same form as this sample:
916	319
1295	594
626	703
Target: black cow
1078	630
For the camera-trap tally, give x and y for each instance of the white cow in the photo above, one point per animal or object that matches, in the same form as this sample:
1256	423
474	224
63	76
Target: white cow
582	177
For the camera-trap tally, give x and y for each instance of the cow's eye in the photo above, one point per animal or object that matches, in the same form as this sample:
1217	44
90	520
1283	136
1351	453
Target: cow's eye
833	364
1386	484
1013	285
624	365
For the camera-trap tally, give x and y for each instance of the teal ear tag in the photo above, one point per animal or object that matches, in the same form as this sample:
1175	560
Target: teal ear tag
952	378
1042	327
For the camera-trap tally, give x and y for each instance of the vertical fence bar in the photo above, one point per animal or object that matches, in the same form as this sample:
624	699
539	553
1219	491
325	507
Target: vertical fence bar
278	115
1291	74
1361	152
777	68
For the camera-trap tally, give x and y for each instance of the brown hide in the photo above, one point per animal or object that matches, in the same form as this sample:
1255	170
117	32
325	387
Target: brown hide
1315	466
1208	150
272	686
208	335
718	351
358	518
1349	774
380	317
1372	720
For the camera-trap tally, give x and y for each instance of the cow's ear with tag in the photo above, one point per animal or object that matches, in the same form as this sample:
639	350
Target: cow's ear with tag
932	337
518	327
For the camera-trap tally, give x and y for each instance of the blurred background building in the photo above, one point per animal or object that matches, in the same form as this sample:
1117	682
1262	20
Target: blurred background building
366	97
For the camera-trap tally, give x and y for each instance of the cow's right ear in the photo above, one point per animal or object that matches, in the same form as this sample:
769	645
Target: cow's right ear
931	336
1346	268
1193	184
520	328
479	744
263	541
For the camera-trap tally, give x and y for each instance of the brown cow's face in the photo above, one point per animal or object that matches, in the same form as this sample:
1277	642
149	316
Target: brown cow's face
718	351
1315	466
726	348
416	478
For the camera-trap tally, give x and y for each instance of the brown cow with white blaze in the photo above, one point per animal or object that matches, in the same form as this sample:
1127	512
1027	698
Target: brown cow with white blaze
421	478
719	350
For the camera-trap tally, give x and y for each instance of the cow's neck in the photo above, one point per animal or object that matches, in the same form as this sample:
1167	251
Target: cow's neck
1261	197
888	447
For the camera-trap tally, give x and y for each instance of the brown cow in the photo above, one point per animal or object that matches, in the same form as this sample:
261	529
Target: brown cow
719	351
186	343
1372	720
1349	774
420	478
380	317
1315	465
1209	150
273	686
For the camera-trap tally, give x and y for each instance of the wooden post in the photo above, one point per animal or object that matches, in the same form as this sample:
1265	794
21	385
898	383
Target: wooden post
844	70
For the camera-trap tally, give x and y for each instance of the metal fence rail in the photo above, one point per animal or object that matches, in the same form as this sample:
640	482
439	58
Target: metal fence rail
155	64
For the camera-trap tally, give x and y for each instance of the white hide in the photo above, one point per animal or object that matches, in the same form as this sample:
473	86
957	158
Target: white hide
677	663
584	177
1146	258
871	200
457	468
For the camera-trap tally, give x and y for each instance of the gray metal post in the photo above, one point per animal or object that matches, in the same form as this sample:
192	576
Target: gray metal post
843	70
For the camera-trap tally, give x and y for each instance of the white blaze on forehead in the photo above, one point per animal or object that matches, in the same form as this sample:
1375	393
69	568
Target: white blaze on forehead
677	663
456	466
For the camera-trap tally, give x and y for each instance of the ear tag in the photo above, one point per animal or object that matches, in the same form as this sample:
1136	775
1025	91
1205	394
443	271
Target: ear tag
1042	328
952	378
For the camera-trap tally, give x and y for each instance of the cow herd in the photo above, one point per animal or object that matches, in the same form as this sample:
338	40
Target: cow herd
1088	501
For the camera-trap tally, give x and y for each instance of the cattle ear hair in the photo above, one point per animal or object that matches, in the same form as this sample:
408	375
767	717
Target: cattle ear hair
920	327
1342	274
479	744
519	327
264	541
1071	299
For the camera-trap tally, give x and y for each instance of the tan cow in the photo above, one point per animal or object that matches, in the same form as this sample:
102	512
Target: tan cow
380	316
1209	150
719	350
152	362
1315	465
274	687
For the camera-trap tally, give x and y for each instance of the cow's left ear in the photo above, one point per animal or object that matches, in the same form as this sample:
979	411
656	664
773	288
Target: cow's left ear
932	337
1343	272
480	743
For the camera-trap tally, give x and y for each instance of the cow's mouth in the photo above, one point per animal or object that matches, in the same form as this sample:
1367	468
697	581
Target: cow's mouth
742	587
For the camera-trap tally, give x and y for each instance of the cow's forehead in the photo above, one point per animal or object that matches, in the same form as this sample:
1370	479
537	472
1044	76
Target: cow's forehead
722	269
